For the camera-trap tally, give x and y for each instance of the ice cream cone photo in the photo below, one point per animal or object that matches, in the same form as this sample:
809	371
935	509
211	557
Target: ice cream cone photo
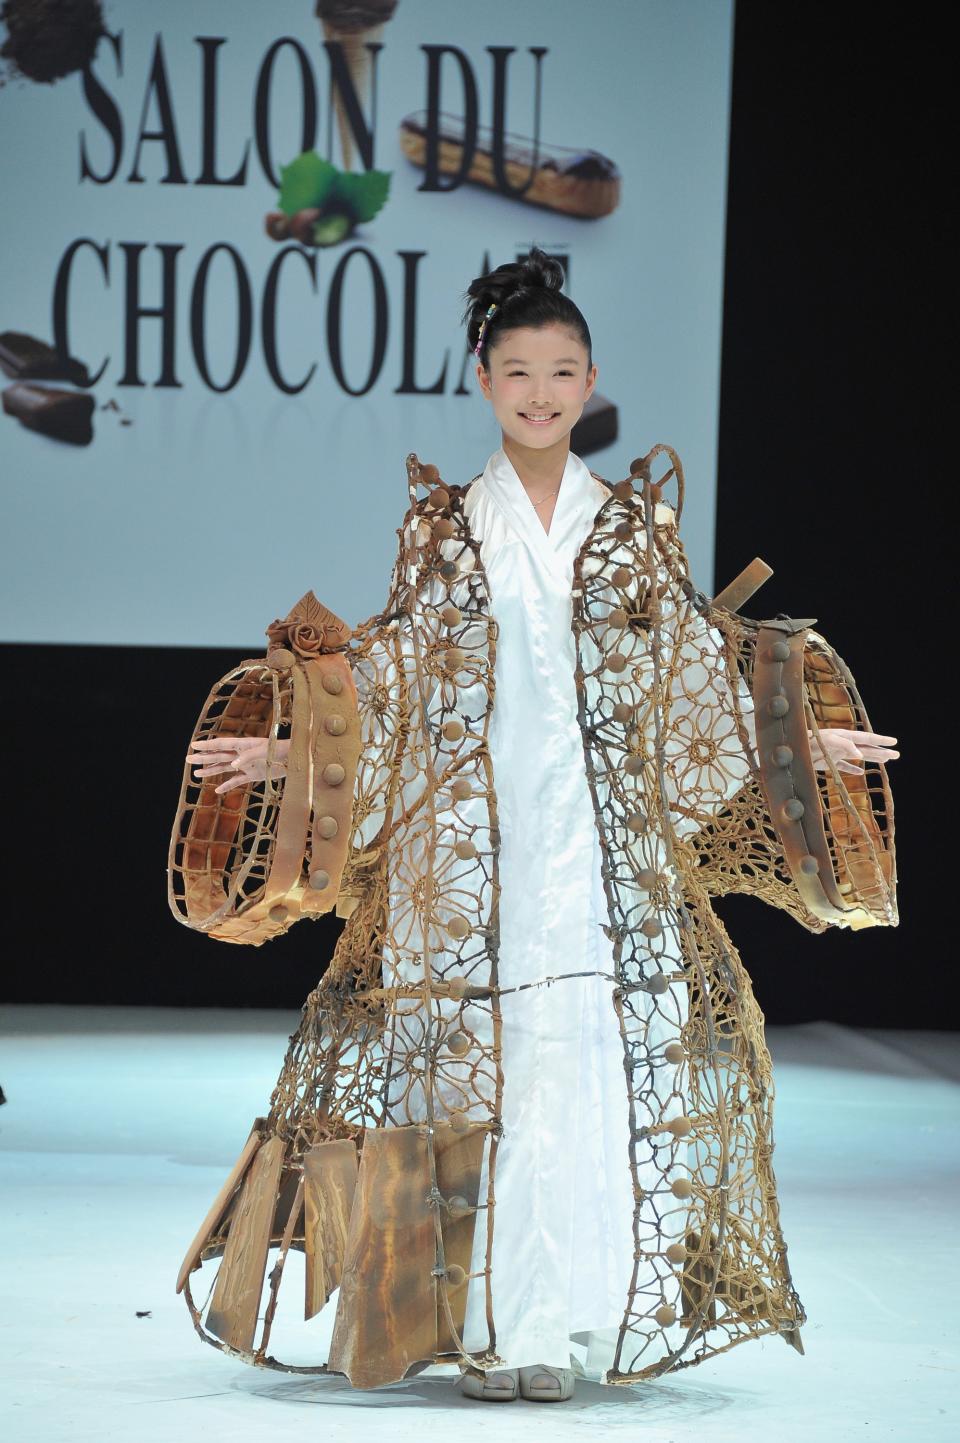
354	27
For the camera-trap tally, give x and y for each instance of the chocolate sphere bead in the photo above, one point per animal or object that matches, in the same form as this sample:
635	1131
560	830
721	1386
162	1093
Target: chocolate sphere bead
319	880
778	706
333	774
623	530
646	878
454	657
280	659
278	912
439	499
658	984
809	865
793	809
465	850
455	1276
616	661
676	1253
459	1123
452	730
457	988
622	711
666	1315
651	927
780	651
781	756
633	766
461	789
335	724
444	528
458	926
682	1187
637	822
680	1126
327	827
458	1043
621	576
451	615
449	570
674	1053
458	1206
617	617
638	467
623	490
429	474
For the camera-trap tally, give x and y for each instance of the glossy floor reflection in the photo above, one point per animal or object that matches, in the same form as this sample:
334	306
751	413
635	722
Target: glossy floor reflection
120	1124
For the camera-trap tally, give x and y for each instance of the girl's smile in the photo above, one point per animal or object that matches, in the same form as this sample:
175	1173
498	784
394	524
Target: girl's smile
537	379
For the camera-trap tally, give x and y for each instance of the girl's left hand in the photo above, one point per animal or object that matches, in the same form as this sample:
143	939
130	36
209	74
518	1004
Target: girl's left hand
846	748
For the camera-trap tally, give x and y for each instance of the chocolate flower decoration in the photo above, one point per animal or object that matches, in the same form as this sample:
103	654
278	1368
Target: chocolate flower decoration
309	629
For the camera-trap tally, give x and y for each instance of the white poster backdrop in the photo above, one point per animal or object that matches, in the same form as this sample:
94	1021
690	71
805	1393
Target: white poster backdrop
210	498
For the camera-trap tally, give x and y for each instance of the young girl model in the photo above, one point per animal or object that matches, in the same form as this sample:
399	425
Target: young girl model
534	1032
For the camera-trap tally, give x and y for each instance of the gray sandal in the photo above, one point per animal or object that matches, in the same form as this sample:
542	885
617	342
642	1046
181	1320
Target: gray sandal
501	1386
541	1384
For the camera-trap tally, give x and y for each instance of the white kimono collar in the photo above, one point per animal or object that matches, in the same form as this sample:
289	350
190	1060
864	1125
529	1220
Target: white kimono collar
578	500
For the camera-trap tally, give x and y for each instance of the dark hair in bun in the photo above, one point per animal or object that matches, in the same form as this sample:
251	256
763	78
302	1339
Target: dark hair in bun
527	293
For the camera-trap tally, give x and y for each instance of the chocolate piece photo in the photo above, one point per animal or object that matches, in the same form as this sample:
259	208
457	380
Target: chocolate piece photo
26	358
62	415
598	426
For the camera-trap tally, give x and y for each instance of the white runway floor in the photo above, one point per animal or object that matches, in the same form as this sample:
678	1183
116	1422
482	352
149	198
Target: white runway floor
121	1124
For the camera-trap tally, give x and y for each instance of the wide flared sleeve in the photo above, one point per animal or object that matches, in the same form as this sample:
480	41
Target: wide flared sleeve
723	711
747	700
245	865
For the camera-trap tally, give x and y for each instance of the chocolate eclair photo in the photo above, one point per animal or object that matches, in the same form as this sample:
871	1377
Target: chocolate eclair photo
575	182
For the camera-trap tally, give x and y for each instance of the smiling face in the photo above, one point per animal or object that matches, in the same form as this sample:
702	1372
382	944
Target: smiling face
538	383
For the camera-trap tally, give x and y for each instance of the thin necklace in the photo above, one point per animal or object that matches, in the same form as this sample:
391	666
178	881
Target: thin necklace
547	497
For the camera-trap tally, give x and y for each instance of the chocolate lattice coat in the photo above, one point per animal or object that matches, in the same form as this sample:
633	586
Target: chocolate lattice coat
696	727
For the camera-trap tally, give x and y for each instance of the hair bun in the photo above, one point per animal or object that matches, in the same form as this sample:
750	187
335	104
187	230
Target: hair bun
539	269
536	270
528	291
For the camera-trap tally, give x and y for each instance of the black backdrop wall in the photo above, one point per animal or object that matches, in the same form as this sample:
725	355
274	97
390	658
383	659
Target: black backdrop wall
829	365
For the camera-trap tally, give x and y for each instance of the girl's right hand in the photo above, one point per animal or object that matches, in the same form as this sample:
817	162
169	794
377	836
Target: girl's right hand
245	757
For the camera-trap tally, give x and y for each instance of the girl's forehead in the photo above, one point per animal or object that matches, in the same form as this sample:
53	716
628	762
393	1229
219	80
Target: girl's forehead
551	342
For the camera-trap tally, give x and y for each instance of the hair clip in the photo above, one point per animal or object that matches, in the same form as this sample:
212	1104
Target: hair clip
483	327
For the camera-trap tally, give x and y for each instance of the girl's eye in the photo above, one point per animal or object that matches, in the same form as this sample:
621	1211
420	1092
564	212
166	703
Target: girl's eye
523	373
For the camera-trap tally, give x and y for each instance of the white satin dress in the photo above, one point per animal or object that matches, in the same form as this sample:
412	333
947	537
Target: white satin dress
563	1240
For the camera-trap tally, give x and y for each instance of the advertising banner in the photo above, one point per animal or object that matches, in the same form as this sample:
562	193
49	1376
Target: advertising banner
236	242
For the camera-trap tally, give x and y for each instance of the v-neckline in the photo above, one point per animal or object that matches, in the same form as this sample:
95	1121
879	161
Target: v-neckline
510	496
556	507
